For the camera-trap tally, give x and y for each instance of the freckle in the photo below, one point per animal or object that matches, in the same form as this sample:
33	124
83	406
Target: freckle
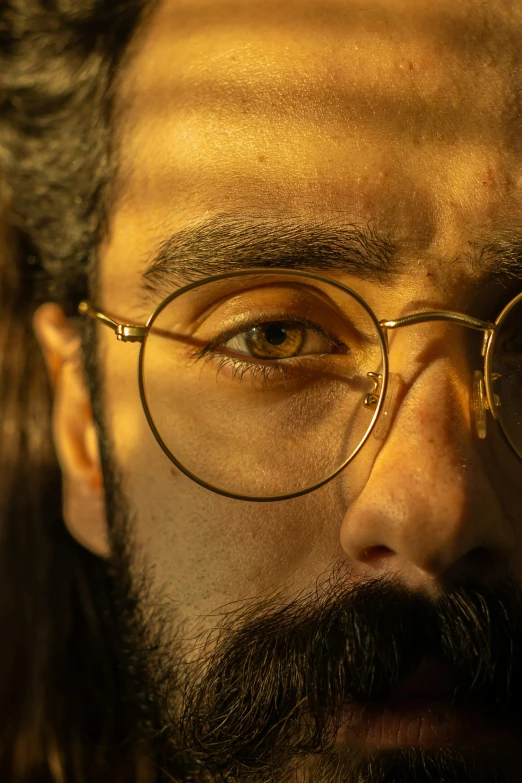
410	65
261	158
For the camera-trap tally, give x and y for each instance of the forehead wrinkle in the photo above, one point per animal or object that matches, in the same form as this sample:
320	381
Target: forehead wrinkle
337	108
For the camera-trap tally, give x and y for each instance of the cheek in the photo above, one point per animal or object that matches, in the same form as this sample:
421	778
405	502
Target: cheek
206	550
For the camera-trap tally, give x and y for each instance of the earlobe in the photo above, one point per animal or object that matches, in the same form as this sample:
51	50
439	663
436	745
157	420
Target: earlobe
74	431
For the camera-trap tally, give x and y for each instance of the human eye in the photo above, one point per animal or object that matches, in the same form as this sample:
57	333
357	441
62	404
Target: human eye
282	338
272	344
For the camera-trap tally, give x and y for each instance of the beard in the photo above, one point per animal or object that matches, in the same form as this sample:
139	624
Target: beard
259	697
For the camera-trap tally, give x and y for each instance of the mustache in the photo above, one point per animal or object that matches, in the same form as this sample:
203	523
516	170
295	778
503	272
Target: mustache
274	684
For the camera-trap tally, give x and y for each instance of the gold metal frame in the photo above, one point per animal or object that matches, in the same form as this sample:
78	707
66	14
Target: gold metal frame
375	399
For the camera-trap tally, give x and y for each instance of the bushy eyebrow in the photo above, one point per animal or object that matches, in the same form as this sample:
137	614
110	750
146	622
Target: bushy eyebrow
499	258
229	242
225	243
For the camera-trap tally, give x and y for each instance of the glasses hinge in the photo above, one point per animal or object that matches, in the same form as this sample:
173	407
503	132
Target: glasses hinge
131	334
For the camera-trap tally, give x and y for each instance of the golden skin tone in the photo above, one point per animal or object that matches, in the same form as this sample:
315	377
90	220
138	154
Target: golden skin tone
404	114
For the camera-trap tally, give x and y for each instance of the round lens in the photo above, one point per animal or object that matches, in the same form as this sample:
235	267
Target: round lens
506	374
258	384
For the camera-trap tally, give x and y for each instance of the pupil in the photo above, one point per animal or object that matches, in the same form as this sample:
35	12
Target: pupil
275	334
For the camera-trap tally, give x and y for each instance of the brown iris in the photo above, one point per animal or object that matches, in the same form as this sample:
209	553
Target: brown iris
275	340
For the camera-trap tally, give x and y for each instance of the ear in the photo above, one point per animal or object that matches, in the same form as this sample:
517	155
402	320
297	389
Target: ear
74	432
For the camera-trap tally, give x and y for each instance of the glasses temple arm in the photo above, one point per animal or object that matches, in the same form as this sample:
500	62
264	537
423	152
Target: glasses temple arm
440	315
127	333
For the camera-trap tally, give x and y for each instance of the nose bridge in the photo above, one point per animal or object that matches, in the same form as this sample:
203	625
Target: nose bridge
411	350
447	318
428	502
434	398
436	367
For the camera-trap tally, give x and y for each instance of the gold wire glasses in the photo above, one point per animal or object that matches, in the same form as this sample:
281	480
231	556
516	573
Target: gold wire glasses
264	384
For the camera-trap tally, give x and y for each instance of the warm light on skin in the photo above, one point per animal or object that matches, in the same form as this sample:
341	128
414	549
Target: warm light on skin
391	112
245	116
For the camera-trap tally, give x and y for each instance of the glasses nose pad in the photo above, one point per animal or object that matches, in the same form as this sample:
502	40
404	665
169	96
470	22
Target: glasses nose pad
479	404
385	418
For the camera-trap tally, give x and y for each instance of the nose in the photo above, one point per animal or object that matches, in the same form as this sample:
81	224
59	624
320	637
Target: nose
429	512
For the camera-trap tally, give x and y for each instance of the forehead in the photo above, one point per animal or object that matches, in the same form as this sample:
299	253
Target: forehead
406	114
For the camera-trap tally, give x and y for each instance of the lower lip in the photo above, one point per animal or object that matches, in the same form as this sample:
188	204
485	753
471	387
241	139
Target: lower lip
413	722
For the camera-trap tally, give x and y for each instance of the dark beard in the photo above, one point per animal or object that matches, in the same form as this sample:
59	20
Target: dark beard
261	701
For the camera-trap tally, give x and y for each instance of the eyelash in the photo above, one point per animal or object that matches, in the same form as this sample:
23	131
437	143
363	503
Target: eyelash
265	372
242	367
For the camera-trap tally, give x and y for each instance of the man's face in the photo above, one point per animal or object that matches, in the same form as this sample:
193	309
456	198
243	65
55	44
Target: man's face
399	116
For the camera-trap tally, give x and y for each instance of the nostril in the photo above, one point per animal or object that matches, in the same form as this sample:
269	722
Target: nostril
373	554
480	559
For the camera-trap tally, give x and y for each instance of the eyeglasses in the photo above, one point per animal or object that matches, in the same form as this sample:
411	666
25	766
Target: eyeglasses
263	385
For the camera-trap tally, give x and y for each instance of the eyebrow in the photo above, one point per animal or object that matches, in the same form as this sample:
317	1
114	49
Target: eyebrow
500	258
229	242
226	243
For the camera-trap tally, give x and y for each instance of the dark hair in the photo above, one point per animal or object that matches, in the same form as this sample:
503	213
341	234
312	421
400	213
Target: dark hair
62	711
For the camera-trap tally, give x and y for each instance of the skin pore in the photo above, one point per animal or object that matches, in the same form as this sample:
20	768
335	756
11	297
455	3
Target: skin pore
254	619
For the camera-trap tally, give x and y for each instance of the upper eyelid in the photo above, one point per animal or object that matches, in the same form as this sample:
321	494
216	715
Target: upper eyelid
224	337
